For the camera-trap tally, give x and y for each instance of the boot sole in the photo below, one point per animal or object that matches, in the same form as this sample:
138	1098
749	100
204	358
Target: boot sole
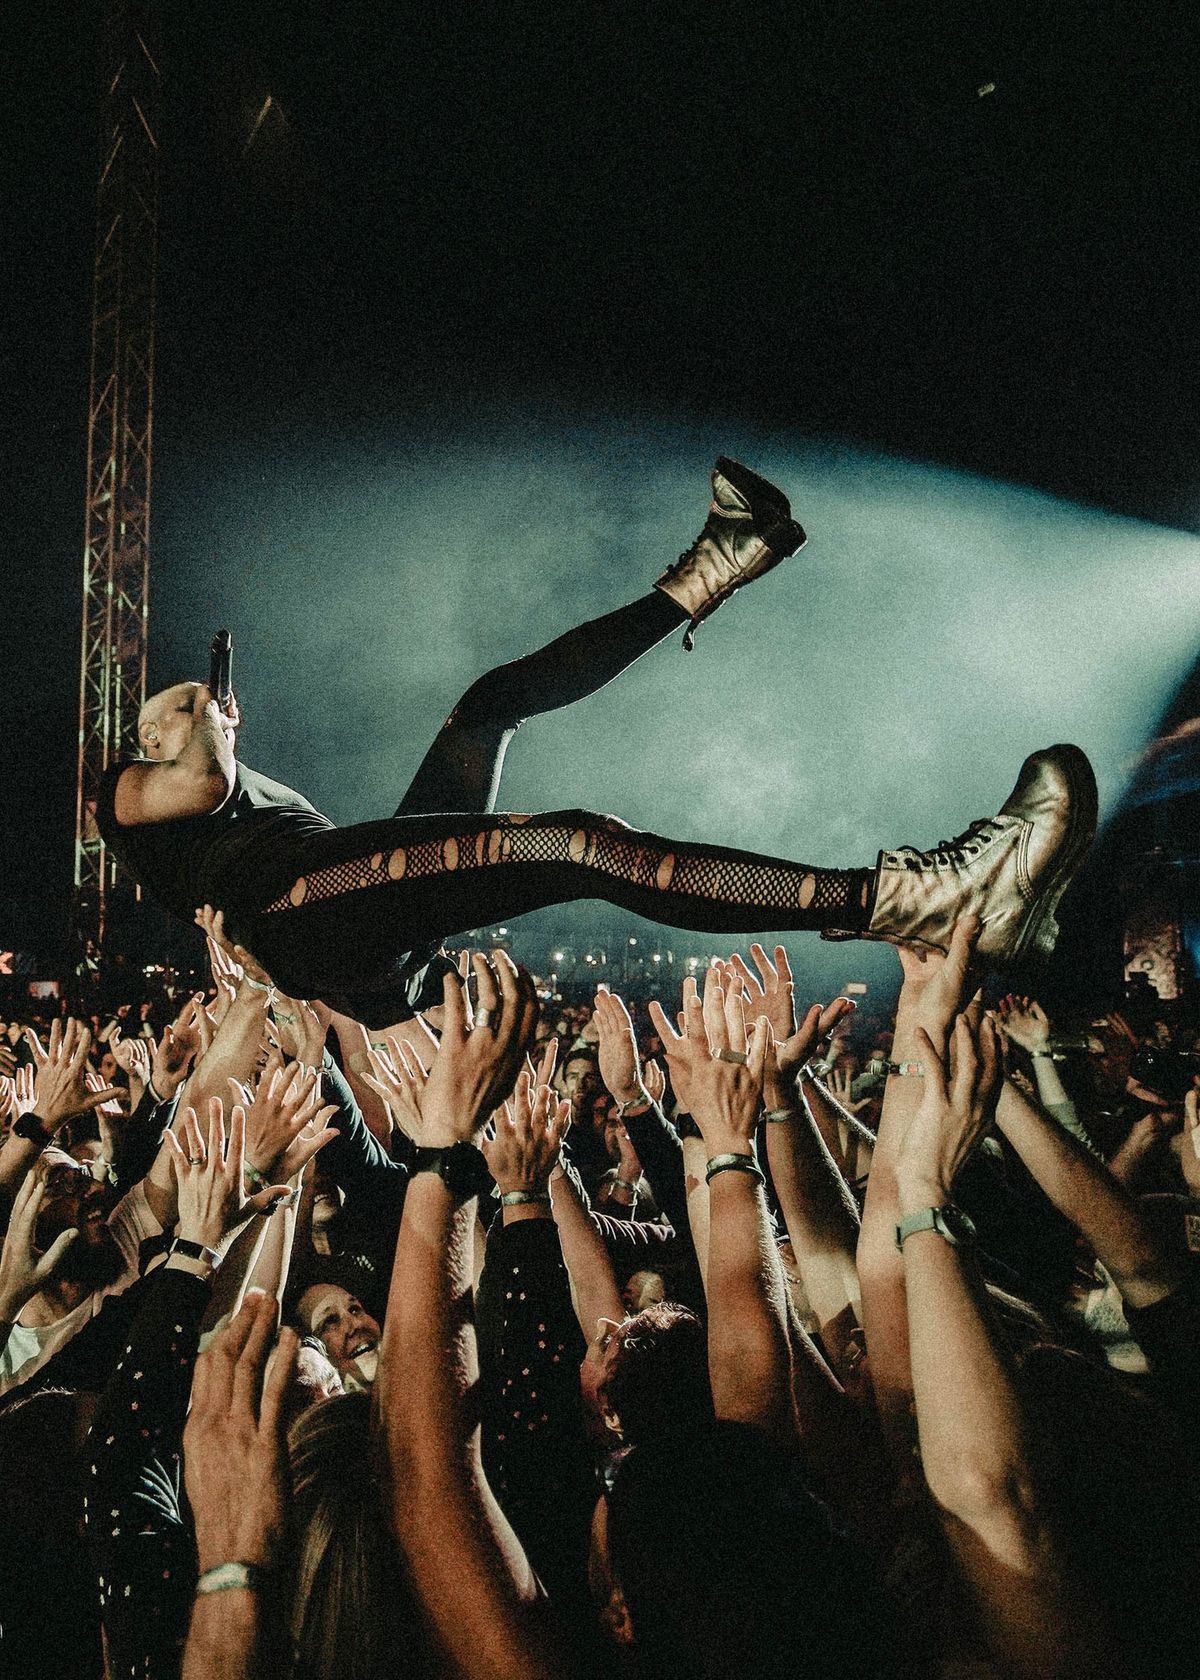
1039	935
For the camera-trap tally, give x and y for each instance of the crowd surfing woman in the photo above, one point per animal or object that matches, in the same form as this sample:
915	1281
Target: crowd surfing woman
355	915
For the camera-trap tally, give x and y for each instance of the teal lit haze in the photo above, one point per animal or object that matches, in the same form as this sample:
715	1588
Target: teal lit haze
879	688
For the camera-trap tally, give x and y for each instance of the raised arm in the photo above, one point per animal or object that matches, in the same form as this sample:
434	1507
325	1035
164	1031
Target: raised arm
976	1446
466	1563
60	1092
651	1133
928	996
818	1211
195	784
1085	1191
718	1074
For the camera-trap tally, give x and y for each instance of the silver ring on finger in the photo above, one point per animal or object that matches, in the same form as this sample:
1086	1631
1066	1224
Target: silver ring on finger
738	1057
195	1160
483	1018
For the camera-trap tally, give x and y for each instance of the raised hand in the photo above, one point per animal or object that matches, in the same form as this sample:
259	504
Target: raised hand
956	1109
481	1050
716	1071
133	1054
300	1029
24	1091
223	962
841	1088
530	1128
619	1064
234	1458
279	1137
654	1080
209	1174
23	1272
397	1075
183	1042
937	983
1025	1022
61	1082
1189	1155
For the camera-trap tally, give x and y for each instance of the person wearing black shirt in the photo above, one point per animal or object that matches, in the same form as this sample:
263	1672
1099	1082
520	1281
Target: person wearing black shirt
355	915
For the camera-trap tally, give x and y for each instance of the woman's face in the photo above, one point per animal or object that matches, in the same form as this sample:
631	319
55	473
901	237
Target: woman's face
343	1324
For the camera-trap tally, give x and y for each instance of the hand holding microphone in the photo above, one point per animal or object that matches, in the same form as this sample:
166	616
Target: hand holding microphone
220	677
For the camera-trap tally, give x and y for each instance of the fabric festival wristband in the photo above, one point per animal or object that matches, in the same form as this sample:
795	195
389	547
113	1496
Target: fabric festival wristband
733	1163
225	1575
253	1176
778	1115
524	1198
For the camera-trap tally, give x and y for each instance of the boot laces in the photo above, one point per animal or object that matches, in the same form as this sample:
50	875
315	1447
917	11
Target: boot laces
967	844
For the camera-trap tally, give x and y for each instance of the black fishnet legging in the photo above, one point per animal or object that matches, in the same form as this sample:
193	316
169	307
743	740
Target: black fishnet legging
411	879
375	900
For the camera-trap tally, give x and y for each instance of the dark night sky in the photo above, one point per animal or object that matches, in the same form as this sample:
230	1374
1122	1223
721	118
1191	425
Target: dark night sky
804	216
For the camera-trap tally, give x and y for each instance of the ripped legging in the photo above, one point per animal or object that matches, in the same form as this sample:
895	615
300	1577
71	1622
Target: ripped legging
411	880
373	893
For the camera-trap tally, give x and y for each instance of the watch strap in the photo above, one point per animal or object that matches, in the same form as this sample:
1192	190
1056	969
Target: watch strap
462	1168
195	1251
32	1127
948	1221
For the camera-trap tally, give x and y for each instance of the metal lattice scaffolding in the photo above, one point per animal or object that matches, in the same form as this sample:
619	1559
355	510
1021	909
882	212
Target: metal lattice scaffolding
116	551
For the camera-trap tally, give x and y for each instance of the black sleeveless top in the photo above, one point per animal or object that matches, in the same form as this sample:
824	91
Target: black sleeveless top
239	857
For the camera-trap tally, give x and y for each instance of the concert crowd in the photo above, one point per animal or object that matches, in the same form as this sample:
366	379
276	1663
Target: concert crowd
642	1386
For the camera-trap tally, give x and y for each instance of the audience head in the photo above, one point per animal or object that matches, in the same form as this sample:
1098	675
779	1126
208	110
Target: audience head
350	1335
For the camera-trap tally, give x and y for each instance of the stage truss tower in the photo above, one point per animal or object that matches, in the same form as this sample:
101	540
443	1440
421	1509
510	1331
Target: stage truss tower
116	549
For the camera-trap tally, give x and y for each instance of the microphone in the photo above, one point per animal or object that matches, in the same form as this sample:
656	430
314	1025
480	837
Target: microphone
220	667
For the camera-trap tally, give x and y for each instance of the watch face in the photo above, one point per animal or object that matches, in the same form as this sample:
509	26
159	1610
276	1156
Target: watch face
461	1168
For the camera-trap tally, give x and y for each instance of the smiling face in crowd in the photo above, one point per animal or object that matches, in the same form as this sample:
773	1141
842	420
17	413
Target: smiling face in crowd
342	1323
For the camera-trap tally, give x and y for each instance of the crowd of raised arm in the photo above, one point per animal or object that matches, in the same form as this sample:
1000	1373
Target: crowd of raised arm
619	1340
